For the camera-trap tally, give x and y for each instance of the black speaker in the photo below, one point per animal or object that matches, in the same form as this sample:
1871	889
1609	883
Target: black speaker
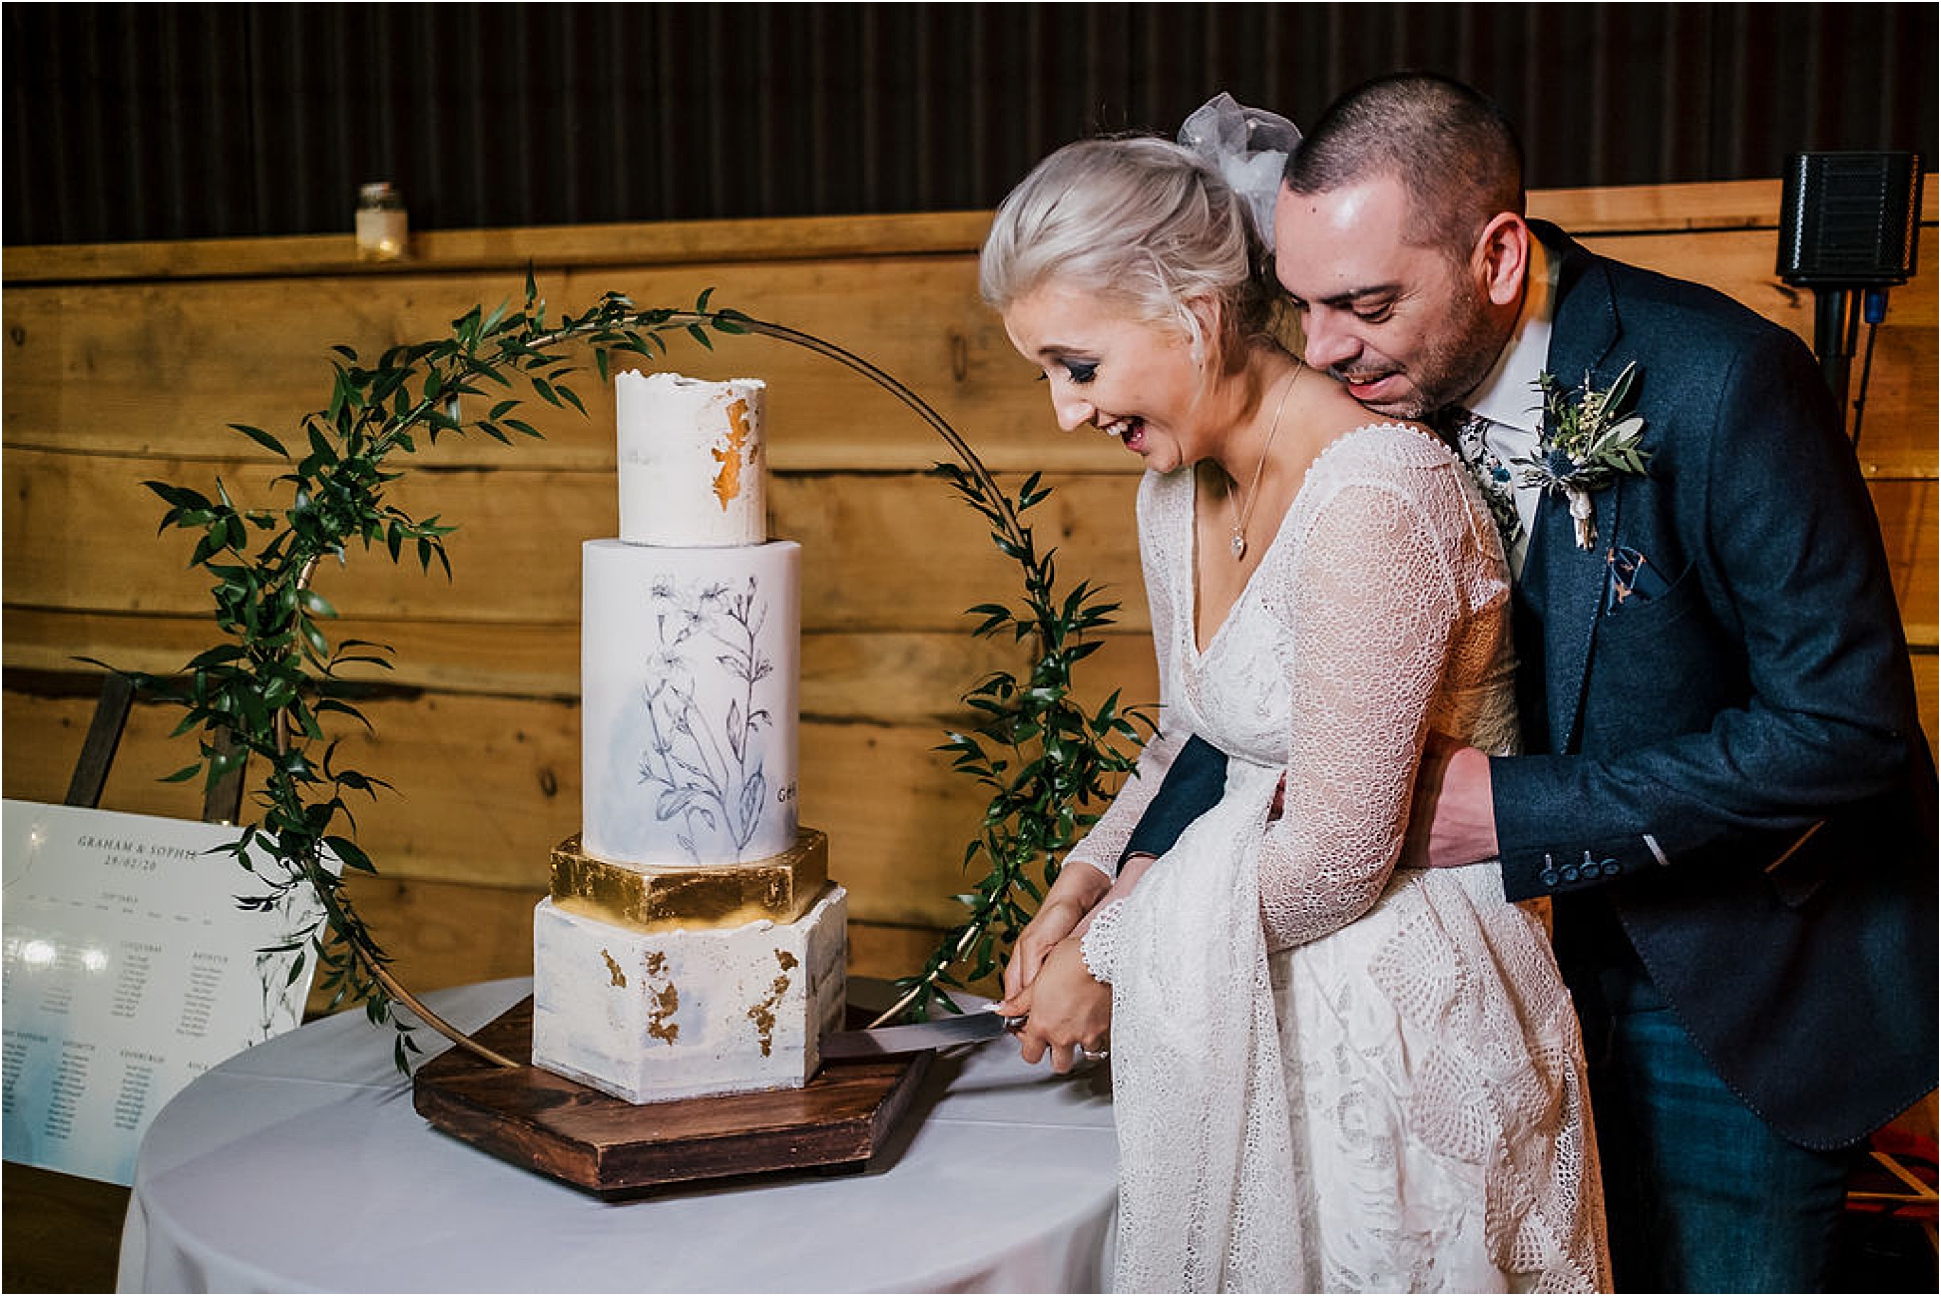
1848	220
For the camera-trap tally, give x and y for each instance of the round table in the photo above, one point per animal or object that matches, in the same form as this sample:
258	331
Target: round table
301	1165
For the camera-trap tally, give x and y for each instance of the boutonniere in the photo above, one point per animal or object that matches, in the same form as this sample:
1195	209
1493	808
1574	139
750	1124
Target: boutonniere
1589	436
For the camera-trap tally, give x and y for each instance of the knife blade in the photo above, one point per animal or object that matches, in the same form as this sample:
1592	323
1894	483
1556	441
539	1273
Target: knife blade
888	1041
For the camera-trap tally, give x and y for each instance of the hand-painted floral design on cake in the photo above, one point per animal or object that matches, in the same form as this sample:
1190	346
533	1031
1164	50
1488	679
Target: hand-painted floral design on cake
708	768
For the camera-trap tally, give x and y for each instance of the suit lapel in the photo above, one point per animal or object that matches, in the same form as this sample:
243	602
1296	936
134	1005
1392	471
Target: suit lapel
1567	583
1571	599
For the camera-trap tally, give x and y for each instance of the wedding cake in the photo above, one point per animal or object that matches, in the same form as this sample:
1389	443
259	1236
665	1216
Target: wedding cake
692	943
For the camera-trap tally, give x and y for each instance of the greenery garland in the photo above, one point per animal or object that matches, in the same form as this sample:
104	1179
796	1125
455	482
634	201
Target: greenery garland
266	690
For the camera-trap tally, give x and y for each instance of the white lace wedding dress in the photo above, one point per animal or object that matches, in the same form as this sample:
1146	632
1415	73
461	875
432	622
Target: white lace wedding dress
1329	1073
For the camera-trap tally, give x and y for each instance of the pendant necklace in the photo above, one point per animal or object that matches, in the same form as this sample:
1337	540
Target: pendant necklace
1239	542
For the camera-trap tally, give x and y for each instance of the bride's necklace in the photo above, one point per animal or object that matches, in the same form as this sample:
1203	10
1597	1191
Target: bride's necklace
1244	511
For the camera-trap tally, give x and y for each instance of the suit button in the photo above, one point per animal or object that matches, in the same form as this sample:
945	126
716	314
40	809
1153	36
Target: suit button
1612	868
1570	872
1548	877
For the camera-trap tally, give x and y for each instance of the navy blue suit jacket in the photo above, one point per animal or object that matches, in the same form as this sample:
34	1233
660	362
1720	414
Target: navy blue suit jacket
1734	767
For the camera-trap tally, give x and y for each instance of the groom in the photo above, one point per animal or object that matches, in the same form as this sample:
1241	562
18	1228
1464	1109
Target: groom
1725	789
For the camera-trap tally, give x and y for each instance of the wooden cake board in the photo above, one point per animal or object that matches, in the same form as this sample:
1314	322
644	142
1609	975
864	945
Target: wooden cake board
606	1145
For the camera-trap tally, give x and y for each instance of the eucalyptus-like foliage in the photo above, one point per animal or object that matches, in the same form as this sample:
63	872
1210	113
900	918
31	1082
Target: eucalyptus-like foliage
270	689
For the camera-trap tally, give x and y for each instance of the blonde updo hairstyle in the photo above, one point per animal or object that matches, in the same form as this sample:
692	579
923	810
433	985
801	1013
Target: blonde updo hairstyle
1144	224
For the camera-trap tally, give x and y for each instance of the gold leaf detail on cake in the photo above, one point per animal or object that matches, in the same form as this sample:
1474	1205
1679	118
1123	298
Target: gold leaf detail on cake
613	971
660	1018
657	898
763	1013
666	1002
727	482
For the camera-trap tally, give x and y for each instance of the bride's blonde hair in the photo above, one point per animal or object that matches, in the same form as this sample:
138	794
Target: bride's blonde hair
1143	223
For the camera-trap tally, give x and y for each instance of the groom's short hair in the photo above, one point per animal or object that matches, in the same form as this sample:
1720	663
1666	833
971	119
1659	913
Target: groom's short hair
1454	151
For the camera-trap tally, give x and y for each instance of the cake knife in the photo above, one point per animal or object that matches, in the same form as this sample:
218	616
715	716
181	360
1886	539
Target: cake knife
888	1041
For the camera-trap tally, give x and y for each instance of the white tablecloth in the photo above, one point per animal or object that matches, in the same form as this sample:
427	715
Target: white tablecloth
300	1165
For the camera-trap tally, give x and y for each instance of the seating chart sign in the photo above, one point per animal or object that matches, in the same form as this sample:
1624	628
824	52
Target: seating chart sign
129	970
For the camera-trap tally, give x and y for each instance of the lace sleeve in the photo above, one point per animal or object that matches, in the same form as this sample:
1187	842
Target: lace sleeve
1102	846
1368	610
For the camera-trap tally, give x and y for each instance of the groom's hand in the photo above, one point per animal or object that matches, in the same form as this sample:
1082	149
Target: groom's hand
1452	820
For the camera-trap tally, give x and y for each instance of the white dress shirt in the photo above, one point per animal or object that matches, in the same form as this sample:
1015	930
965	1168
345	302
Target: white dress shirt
1509	396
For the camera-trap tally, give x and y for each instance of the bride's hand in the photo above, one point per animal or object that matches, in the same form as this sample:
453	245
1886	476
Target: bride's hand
1067	1012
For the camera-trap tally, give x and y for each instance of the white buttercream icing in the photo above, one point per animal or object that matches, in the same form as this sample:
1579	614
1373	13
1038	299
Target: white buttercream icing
691	463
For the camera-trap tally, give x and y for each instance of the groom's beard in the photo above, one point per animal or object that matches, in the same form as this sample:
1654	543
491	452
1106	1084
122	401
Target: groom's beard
1453	362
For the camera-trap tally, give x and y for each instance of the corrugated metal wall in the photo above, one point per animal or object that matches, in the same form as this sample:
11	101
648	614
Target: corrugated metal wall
177	121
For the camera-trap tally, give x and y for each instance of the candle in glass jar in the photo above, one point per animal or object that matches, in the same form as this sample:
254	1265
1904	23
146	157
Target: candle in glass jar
382	226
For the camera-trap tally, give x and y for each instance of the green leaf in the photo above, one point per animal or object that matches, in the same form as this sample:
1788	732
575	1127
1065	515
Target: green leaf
1619	398
1009	548
339	396
333	706
279	691
350	853
216	656
320	449
180	496
263	439
314	638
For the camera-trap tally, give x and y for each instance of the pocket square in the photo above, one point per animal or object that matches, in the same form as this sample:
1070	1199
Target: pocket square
1629	578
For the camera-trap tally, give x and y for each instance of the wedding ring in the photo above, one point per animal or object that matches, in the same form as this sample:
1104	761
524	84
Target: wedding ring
1094	1055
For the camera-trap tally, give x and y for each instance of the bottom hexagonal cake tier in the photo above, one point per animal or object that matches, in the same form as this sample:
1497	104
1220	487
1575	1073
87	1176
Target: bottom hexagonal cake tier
652	1016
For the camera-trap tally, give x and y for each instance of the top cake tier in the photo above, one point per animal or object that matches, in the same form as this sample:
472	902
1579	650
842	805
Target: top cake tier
691	461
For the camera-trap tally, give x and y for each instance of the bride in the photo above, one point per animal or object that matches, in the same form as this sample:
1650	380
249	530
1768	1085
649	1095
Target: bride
1329	1073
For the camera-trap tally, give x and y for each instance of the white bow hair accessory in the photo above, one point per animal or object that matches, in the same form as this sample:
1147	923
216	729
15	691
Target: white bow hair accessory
1248	148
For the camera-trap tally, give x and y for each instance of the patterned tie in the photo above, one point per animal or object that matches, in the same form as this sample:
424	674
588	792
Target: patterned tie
1463	431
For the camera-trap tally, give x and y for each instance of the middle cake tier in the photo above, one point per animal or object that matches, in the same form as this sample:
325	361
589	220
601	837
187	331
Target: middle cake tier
689	682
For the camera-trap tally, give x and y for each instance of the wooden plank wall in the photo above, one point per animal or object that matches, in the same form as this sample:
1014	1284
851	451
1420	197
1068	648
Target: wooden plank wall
126	362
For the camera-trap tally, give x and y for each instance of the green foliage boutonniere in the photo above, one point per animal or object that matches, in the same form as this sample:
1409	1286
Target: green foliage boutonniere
1589	436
